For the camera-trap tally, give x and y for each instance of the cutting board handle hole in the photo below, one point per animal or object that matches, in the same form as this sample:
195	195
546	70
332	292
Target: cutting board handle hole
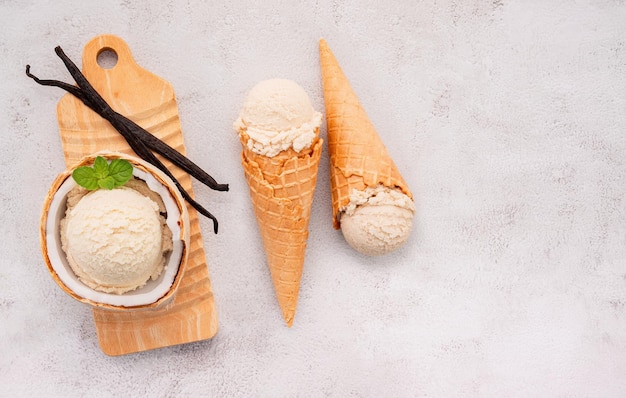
107	58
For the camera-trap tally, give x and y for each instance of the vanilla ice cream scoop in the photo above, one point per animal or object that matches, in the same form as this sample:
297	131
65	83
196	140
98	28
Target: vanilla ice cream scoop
277	115
113	239
377	220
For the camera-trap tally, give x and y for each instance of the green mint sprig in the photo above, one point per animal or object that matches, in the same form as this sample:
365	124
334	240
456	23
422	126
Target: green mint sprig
103	174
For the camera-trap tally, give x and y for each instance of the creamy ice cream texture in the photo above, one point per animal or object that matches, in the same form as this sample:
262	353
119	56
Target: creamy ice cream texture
277	115
115	240
377	220
279	132
372	204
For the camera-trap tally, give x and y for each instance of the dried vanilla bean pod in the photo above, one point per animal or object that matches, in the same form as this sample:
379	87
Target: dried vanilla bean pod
75	91
133	133
144	152
153	142
174	156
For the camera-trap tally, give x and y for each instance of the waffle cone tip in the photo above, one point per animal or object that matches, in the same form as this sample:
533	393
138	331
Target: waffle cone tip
288	316
281	191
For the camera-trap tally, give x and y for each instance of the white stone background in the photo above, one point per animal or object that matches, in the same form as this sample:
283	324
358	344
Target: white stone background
507	119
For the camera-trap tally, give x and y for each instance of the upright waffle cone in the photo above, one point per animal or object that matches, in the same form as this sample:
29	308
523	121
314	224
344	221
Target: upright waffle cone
358	157
281	190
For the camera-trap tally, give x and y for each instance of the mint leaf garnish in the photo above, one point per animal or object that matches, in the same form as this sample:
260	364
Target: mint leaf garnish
106	183
85	177
101	167
103	174
121	171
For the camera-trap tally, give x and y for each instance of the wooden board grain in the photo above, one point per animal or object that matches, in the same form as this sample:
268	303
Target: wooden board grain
149	101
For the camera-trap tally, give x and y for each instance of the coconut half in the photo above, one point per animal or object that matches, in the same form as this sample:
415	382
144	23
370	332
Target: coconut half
155	292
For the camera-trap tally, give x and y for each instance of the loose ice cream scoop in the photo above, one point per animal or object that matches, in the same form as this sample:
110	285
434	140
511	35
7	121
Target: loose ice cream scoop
377	221
114	239
277	115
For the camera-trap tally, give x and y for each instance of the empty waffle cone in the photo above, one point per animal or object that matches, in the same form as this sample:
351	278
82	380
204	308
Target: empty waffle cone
281	190
358	157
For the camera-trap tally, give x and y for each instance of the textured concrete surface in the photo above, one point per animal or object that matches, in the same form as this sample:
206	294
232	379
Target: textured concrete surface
508	120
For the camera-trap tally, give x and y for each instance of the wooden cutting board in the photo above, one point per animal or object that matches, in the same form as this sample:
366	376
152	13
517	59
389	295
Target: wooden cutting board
150	102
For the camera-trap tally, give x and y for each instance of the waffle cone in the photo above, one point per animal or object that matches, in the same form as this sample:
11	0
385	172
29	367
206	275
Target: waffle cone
358	157
281	190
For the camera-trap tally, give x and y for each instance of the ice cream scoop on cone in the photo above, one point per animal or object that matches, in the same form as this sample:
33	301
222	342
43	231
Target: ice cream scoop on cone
372	204
279	133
